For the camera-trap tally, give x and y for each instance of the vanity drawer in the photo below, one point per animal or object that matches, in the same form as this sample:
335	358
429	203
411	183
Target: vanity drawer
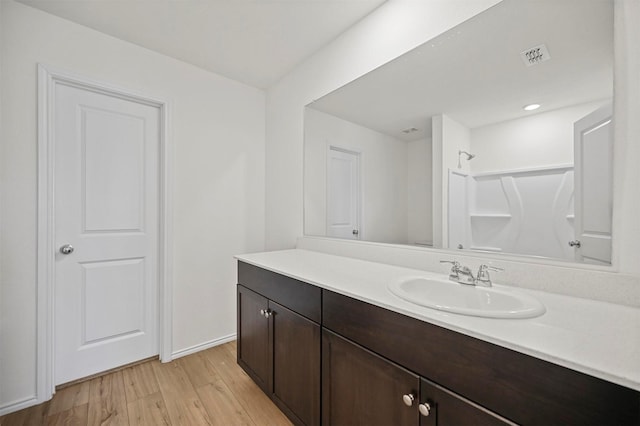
300	297
519	387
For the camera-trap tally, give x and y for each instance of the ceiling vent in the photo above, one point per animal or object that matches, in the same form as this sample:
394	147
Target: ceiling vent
535	55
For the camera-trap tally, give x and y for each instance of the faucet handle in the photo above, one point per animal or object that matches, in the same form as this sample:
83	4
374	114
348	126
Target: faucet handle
455	268
483	276
490	268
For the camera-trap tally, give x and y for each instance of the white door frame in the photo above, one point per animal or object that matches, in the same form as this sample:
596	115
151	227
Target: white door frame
48	78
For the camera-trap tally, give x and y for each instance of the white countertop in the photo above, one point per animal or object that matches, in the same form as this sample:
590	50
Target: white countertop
597	338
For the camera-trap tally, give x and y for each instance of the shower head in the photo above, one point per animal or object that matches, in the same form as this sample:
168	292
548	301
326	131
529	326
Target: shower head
469	157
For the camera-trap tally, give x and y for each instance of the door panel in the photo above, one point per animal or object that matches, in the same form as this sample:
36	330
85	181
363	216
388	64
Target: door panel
113	304
449	409
113	170
253	337
296	363
107	207
361	388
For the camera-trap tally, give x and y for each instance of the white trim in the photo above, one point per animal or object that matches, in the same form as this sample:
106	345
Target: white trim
165	306
202	346
18	405
48	77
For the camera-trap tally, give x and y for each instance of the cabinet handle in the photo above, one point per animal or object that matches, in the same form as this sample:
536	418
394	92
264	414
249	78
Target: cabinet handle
424	408
408	399
266	312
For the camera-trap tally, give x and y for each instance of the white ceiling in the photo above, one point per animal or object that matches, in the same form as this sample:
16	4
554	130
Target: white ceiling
474	73
256	42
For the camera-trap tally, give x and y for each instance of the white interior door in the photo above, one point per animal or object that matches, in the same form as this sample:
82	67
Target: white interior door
593	150
343	194
106	207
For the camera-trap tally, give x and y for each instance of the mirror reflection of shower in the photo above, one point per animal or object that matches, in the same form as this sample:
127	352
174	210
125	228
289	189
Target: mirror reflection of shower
467	154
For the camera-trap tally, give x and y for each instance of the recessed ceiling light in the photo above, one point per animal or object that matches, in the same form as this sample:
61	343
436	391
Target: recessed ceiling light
531	107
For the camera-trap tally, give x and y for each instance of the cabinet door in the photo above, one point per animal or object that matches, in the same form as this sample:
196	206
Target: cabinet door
361	388
296	365
449	409
254	349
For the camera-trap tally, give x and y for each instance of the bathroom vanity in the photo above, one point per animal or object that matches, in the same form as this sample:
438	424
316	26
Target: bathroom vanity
330	344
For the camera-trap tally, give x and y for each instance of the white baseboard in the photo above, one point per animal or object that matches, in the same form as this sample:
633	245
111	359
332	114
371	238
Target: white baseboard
202	346
18	405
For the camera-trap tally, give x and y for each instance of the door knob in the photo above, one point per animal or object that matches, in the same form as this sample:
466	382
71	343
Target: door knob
355	232
574	243
66	249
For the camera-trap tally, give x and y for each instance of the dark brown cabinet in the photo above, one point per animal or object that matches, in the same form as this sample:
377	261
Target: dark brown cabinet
362	388
325	357
278	347
518	387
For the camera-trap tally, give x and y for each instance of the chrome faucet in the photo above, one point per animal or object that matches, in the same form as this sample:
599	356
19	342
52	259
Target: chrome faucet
464	275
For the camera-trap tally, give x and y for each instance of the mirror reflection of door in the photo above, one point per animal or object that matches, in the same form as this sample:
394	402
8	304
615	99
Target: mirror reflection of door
343	193
593	140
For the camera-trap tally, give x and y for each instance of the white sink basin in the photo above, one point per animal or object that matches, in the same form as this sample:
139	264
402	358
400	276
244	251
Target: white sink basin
445	295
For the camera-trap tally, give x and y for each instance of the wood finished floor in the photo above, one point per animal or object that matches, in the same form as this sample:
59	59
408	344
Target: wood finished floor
206	388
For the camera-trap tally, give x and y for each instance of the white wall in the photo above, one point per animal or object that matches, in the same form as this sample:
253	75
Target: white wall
383	173
419	192
218	139
391	30
538	140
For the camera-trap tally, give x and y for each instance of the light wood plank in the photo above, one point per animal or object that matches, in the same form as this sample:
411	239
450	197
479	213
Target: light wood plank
259	407
69	397
222	406
107	401
140	381
148	410
76	416
182	402
172	379
233	345
200	372
35	415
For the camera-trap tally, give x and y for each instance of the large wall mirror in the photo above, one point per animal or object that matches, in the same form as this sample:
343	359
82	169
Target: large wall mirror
445	147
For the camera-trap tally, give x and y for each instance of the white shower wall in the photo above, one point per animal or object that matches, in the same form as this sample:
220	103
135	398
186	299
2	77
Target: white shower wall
526	212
